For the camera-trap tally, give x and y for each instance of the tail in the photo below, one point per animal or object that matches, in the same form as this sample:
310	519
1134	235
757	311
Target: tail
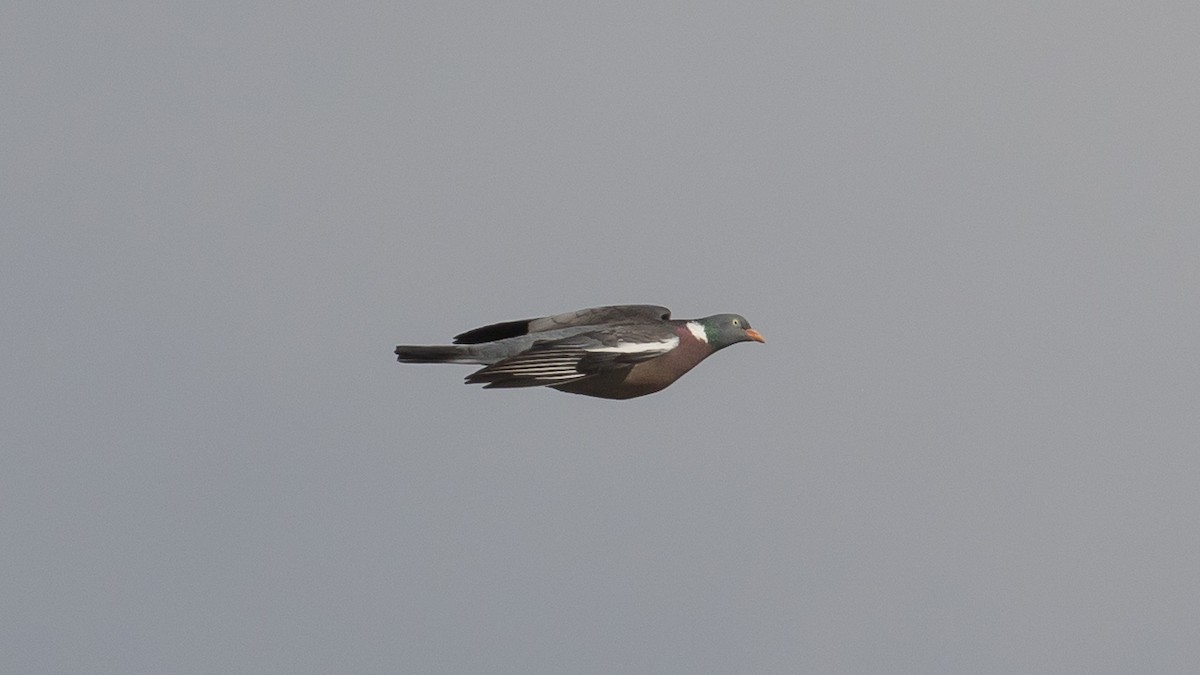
436	354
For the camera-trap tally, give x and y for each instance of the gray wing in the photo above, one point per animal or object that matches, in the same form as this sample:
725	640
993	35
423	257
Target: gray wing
610	314
579	356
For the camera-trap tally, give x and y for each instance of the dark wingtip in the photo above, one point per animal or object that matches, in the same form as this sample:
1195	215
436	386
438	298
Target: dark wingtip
496	331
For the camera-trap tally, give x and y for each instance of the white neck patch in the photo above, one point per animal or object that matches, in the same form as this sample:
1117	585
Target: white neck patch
698	331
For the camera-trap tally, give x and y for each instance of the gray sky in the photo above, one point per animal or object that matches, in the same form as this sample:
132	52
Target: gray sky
970	233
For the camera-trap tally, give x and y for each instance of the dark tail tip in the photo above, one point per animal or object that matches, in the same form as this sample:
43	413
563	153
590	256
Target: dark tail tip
436	354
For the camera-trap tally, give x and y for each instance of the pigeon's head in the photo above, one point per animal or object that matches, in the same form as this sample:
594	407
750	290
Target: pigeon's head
723	330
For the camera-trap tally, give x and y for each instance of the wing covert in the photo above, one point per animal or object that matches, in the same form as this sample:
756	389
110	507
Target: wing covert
592	316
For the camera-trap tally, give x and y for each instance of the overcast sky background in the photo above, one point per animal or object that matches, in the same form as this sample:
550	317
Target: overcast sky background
970	233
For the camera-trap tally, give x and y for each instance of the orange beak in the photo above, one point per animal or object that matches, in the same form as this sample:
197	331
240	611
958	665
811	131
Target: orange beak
754	335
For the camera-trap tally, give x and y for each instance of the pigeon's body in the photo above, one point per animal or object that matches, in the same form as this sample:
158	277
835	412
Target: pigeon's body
619	351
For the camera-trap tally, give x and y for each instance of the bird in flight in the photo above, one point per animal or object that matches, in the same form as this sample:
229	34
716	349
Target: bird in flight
617	351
